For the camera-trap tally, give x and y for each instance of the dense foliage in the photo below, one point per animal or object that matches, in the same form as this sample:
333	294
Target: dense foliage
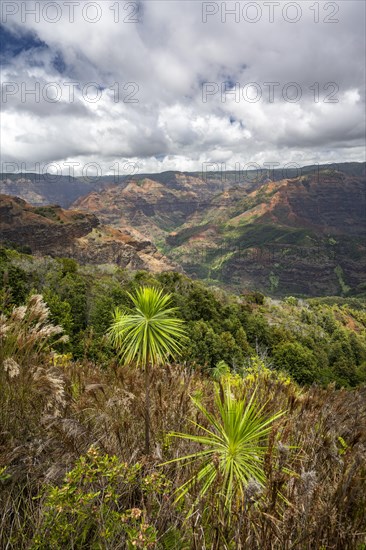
316	340
241	455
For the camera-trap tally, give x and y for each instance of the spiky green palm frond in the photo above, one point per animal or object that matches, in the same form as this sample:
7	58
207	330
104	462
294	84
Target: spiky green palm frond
234	446
148	333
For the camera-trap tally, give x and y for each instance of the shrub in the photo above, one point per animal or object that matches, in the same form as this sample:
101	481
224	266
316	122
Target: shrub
95	506
297	360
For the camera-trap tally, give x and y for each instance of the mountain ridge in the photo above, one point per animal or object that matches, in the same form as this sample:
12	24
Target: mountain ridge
307	231
41	189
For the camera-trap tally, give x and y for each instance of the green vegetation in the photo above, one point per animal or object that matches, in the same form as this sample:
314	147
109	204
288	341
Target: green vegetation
147	335
339	272
329	332
234	450
47	212
297	360
93	506
256	435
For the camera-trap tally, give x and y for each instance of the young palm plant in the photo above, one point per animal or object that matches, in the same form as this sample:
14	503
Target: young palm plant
147	335
234	445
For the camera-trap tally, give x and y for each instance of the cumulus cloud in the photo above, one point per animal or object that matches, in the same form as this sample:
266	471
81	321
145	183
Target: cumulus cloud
171	85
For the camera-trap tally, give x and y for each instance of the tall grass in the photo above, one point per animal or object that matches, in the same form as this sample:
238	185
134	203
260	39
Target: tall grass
313	492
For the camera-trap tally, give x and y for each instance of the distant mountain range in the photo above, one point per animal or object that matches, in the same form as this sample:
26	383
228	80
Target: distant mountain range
44	189
301	235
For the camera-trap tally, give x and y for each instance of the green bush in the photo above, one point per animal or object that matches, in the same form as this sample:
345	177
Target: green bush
95	506
297	360
14	282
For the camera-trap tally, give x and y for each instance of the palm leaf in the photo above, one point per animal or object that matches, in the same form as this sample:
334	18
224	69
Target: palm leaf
234	448
147	334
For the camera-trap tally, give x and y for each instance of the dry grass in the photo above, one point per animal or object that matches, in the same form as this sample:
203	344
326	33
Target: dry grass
52	413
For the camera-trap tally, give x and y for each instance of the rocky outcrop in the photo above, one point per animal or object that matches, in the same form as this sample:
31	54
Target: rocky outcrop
107	245
151	206
44	228
331	203
50	230
40	189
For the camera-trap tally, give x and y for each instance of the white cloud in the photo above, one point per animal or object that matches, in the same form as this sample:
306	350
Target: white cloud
166	57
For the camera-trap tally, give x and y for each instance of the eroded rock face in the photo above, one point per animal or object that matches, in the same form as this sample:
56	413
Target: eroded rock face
152	207
334	203
43	228
304	235
106	245
50	230
301	236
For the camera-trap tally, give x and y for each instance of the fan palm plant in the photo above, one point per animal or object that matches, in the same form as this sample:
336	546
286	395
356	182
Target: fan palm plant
147	335
234	445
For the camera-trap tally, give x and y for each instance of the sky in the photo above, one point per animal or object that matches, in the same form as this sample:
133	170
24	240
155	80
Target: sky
147	86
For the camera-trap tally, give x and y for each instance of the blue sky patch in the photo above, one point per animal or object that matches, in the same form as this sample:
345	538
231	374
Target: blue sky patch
58	63
12	44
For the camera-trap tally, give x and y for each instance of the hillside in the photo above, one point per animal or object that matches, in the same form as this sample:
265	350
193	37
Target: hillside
51	230
302	236
44	189
325	338
153	207
72	454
